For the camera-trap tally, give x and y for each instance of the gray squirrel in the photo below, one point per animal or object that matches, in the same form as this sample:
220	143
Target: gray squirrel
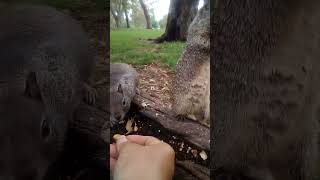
124	81
45	54
265	90
23	154
191	86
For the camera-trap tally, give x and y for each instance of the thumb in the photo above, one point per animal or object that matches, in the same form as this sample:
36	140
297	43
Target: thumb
120	141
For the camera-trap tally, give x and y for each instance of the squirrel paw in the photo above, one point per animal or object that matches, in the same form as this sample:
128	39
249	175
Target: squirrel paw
90	94
113	121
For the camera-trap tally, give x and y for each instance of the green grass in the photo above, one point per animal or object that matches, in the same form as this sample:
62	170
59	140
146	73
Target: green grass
131	46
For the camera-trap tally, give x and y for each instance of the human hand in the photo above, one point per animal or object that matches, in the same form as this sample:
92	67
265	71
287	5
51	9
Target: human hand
141	157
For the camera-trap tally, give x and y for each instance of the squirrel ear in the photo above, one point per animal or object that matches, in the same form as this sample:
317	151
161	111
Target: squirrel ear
120	89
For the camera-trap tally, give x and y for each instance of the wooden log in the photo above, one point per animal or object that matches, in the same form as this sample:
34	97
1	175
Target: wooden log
192	131
195	170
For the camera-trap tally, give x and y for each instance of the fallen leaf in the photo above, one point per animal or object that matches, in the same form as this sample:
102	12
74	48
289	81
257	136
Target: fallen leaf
129	126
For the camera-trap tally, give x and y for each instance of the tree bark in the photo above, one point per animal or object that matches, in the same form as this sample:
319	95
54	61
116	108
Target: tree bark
116	11
127	18
193	132
146	14
125	9
181	14
115	17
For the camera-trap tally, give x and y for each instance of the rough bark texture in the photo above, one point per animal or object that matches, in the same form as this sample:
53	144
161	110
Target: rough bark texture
146	14
192	131
181	14
265	89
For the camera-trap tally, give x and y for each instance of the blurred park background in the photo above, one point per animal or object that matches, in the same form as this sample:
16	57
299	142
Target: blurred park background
147	31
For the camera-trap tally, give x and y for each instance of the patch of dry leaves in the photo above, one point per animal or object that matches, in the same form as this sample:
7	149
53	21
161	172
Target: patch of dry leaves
156	80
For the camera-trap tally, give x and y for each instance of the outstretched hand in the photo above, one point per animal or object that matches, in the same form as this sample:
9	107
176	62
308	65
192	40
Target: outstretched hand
141	157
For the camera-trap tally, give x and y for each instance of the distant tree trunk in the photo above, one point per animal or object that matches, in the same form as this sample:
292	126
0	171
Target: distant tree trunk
146	14
181	14
116	10
127	18
116	18
124	4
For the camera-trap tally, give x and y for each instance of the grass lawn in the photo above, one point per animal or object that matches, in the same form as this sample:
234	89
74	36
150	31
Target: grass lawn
131	46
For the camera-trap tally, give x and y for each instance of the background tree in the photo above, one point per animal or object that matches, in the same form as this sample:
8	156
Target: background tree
146	14
116	11
154	22
125	7
137	17
181	14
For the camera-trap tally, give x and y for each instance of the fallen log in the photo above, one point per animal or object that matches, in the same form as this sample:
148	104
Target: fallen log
190	130
90	137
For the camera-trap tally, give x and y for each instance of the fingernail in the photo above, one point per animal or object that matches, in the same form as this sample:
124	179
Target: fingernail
120	138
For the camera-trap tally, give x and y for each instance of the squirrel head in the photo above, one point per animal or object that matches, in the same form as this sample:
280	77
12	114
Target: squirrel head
119	103
55	121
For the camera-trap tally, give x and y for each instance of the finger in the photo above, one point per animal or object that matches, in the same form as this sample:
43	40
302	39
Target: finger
120	140
112	163
143	140
113	151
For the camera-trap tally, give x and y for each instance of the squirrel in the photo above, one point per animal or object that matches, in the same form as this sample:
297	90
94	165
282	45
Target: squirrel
23	154
191	86
45	54
265	89
124	81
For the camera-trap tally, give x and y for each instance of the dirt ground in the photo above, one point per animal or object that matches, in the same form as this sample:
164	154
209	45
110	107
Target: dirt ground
156	80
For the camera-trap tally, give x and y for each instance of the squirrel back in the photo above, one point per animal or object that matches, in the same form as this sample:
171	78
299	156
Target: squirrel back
191	87
123	85
266	90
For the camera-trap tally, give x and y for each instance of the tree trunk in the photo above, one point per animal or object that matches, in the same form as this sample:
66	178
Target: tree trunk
181	14
146	14
125	9
116	19
127	18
